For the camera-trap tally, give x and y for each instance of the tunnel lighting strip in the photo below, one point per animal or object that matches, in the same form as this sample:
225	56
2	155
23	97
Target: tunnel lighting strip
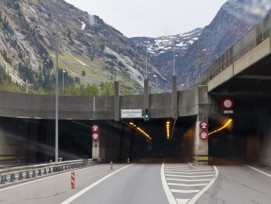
168	129
221	128
141	131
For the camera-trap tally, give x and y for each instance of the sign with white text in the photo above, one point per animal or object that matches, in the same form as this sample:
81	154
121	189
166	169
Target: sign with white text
131	113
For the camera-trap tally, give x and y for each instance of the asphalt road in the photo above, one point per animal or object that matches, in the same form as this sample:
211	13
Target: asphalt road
147	184
137	184
239	184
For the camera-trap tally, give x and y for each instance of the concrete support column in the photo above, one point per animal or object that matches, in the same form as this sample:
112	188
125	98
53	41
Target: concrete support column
116	101
174	112
98	147
200	146
95	149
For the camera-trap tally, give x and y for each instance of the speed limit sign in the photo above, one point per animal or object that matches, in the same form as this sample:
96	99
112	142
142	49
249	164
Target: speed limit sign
227	103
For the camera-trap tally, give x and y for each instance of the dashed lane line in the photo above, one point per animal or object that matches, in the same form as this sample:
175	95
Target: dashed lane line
194	170
187	185
188	180
184	191
185	176
189	173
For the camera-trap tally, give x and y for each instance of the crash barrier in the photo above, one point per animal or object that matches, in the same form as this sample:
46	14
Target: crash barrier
33	171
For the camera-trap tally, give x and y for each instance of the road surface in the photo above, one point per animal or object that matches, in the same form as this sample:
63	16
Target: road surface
147	183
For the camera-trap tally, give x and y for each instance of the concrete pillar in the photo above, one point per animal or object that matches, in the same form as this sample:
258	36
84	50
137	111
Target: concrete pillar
174	110
116	101
96	149
200	146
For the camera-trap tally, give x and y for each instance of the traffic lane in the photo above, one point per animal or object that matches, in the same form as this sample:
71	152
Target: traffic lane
140	183
238	184
54	189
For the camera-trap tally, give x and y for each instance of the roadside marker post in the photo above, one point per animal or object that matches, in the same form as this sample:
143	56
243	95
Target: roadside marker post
111	165
72	179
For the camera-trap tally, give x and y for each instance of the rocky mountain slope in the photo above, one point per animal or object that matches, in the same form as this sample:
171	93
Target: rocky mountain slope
90	51
161	50
198	49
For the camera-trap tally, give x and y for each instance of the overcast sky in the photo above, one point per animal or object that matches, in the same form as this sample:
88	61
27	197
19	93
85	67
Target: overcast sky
152	18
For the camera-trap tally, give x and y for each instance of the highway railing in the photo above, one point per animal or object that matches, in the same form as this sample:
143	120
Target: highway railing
254	37
33	171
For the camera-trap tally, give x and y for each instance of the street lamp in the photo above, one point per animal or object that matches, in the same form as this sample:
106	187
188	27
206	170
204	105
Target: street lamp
56	86
63	81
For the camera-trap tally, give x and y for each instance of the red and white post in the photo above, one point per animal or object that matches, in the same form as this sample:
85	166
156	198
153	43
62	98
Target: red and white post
72	179
111	165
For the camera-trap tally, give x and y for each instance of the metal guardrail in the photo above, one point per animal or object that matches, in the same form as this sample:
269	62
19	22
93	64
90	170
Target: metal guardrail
33	171
250	40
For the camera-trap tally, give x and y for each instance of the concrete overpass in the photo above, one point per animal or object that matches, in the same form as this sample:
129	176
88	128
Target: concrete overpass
243	73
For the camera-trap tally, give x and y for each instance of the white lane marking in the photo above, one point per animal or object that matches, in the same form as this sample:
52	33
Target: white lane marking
176	169
190	185
183	191
182	201
259	171
190	173
187	170
169	195
188	180
196	197
91	186
197	176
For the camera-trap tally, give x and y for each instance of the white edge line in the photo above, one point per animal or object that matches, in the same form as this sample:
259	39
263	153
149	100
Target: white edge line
91	186
196	197
259	171
169	195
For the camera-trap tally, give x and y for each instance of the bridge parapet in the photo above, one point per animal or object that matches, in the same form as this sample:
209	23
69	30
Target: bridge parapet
253	38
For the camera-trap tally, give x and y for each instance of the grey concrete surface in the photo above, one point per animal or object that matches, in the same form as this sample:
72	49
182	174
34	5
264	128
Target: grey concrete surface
238	184
97	108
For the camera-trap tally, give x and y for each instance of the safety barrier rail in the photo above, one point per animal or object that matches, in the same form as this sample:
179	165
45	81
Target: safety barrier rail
250	40
33	171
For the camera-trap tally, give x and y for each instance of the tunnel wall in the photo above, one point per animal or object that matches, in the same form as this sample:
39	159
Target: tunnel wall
265	144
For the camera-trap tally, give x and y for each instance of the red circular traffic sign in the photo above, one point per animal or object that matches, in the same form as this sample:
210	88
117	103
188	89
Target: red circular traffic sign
203	135
227	103
203	125
95	136
95	128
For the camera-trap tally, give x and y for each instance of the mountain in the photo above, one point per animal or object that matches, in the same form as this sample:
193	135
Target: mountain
201	47
161	49
234	19
32	32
